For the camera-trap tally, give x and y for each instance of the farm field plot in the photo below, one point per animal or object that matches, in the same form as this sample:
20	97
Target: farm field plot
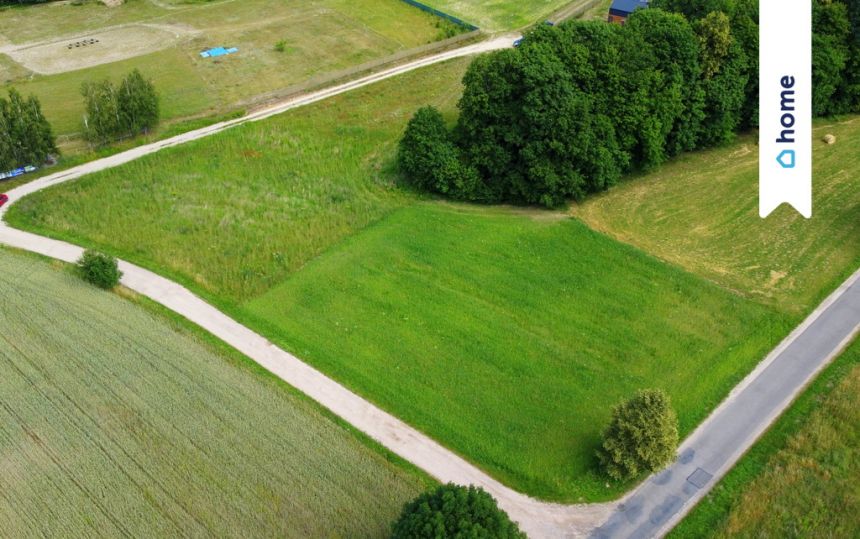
318	37
241	217
701	212
236	213
510	336
800	479
113	422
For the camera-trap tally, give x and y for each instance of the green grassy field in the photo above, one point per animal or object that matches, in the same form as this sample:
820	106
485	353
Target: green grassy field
296	226
701	212
112	422
321	36
800	479
494	15
183	91
510	336
257	201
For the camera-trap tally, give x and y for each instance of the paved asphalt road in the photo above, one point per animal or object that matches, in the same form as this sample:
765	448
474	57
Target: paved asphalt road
649	510
659	503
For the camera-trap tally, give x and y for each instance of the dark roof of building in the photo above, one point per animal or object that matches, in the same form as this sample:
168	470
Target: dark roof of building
627	6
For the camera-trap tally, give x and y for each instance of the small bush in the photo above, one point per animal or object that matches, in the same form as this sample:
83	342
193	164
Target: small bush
641	437
454	511
99	269
280	46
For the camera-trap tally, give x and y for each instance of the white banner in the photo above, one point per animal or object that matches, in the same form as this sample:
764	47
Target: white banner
785	105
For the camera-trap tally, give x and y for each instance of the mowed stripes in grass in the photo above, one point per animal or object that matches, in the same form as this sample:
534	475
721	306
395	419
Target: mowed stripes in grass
114	423
236	213
701	212
509	337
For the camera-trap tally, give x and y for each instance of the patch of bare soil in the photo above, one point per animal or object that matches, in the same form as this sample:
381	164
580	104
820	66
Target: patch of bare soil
109	45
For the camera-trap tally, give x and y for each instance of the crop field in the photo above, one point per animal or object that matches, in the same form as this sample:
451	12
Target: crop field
114	423
800	479
317	37
258	201
701	213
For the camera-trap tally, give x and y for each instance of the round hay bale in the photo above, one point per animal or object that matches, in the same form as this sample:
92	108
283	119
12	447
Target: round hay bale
829	139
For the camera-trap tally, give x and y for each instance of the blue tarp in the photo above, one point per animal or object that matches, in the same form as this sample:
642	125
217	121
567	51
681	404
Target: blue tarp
218	51
17	172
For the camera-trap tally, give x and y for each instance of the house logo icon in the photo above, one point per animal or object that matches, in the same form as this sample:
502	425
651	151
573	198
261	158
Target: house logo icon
786	159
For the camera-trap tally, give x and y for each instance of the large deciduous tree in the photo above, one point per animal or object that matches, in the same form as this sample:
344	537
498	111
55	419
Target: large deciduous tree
830	49
678	99
138	104
642	436
455	511
429	159
114	112
576	105
26	137
724	78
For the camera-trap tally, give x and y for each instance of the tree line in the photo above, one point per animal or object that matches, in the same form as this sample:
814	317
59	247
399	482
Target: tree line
112	113
577	105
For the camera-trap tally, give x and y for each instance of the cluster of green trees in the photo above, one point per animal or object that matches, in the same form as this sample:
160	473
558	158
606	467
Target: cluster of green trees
26	137
577	105
835	46
113	113
455	511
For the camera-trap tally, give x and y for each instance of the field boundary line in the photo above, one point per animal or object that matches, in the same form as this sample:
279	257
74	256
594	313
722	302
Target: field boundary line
574	10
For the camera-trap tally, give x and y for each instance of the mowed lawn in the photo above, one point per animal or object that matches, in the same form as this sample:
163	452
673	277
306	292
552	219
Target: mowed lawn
115	423
235	214
701	212
800	480
509	336
319	37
